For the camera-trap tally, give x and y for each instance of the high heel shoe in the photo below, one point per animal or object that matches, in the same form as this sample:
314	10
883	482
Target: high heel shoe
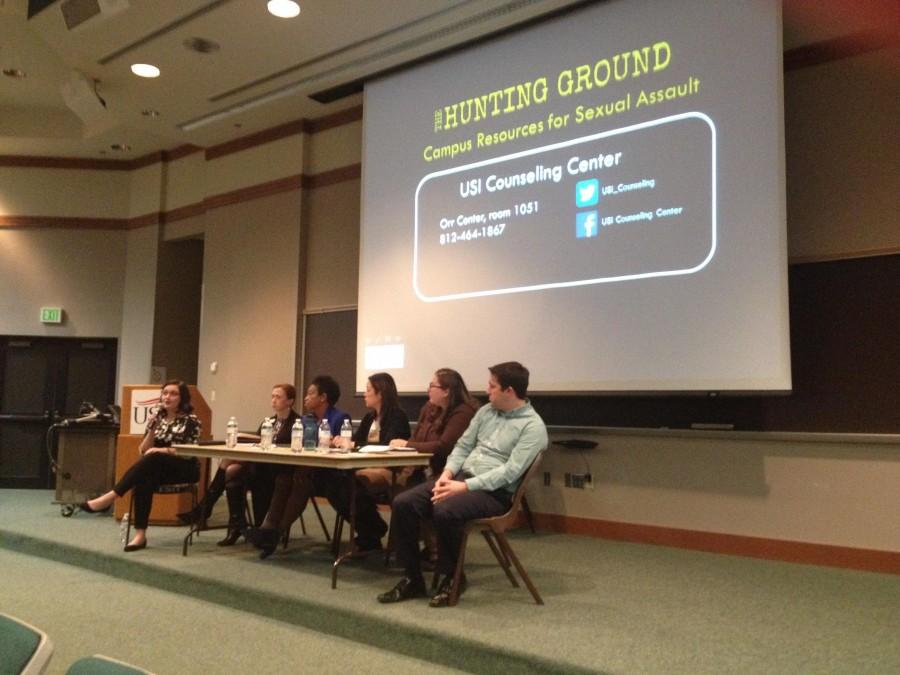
265	539
135	547
231	538
192	516
84	506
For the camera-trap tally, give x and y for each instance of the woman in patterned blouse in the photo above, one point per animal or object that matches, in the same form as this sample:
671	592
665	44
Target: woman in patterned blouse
158	465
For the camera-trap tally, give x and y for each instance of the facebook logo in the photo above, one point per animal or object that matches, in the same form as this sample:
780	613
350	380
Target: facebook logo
587	192
586	224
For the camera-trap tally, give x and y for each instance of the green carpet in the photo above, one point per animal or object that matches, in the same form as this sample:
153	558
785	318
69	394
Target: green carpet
611	606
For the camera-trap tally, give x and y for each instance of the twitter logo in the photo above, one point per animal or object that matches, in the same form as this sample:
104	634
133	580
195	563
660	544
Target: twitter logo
587	192
586	224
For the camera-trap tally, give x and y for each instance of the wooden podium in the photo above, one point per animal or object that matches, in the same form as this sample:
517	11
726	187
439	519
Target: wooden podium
137	399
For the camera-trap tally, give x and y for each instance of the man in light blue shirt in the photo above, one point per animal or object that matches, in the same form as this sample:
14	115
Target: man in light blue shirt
479	480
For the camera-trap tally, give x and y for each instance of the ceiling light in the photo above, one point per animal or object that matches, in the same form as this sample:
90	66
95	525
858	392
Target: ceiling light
144	70
284	9
14	73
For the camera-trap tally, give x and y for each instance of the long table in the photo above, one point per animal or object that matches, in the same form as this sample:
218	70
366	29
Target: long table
348	462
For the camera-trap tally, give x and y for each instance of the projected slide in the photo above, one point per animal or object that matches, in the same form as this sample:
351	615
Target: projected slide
599	195
603	202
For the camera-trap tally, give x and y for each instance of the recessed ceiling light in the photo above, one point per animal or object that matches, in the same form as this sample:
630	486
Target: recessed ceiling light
144	70
120	147
14	73
284	9
149	112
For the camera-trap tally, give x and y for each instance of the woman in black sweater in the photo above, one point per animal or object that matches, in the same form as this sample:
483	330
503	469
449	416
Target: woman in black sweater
385	420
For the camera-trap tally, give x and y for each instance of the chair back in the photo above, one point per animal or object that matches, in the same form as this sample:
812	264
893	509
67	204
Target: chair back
523	484
24	649
510	518
98	664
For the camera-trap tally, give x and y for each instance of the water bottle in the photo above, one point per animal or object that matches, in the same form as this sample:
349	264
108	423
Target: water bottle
324	435
310	433
297	436
123	528
347	432
266	434
231	433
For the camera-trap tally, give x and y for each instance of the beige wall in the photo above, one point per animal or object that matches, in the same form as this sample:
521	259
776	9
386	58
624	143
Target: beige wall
332	217
815	488
138	307
250	304
82	271
65	193
841	121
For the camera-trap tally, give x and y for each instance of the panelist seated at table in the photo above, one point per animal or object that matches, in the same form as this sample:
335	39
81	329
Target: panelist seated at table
442	420
478	481
235	477
173	424
294	485
259	477
385	421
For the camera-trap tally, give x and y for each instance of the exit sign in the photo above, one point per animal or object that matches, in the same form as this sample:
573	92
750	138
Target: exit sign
51	314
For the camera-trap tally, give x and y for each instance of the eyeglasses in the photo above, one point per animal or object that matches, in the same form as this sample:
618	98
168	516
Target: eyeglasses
432	385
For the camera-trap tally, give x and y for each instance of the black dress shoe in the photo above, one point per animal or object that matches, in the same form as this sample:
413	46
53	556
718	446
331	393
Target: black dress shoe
230	538
442	598
84	506
406	589
135	547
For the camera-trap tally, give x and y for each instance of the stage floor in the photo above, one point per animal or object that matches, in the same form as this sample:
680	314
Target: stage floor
610	606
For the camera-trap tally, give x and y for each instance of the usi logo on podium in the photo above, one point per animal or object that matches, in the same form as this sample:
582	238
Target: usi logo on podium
143	401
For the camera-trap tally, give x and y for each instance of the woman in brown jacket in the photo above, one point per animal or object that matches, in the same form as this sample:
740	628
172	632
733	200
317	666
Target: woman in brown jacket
442	421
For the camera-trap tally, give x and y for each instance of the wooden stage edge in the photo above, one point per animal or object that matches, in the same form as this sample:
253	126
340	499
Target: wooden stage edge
869	560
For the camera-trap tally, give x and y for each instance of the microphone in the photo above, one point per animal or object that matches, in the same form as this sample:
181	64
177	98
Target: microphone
151	424
87	418
94	414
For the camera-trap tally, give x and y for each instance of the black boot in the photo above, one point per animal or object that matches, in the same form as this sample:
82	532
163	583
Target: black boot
236	529
237	503
205	507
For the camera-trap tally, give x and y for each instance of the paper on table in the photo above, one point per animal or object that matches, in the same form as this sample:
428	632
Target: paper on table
375	448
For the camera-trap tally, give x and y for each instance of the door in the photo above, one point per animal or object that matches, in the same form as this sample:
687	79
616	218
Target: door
43	380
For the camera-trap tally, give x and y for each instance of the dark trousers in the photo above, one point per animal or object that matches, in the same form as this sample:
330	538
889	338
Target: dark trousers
259	478
262	486
147	474
335	485
449	516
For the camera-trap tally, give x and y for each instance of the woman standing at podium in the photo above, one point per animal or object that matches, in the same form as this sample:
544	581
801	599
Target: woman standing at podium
174	423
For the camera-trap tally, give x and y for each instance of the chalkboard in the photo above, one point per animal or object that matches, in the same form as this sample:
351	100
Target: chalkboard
331	350
845	353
